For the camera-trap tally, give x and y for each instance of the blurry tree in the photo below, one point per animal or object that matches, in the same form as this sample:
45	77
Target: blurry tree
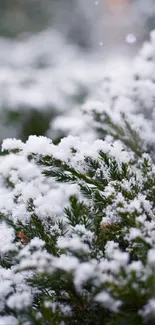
23	16
34	62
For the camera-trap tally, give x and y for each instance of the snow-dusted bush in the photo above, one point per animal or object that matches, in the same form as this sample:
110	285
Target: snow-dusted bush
43	72
92	261
49	72
121	105
38	84
77	218
77	230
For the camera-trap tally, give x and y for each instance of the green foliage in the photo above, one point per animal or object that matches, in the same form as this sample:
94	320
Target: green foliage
92	261
108	216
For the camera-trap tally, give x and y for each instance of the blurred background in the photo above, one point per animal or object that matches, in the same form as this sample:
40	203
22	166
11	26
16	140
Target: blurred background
53	53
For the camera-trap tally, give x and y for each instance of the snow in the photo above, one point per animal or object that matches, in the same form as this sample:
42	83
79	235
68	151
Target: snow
85	234
148	309
66	263
19	301
108	302
83	273
43	146
74	244
7	236
5	320
134	233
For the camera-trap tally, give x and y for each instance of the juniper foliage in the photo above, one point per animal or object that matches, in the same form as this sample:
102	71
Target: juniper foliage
77	230
93	262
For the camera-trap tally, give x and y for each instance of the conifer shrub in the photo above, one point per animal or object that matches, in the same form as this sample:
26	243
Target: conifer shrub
77	230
